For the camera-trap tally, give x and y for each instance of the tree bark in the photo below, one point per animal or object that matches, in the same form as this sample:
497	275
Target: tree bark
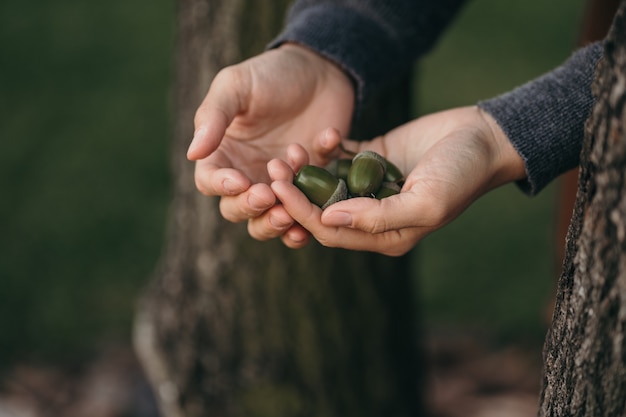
585	350
233	327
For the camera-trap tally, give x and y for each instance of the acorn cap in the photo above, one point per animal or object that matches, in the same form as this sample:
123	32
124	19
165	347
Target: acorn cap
340	194
372	155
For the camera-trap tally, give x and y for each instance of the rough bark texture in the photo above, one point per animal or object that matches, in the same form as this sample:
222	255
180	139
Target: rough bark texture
585	351
233	327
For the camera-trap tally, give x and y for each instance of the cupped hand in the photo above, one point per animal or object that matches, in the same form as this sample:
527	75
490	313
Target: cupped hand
252	111
450	159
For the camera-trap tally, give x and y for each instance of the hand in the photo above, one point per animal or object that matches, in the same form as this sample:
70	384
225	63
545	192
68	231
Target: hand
451	157
250	114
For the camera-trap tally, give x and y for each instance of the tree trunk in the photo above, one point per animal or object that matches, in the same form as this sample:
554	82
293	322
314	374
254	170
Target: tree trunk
234	327
585	351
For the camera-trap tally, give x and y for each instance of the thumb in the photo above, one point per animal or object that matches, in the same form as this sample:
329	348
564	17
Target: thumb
226	98
400	211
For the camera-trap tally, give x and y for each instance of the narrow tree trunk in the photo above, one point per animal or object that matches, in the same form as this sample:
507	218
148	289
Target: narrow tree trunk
585	351
234	327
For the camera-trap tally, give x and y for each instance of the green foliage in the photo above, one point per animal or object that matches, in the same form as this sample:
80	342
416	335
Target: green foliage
83	168
85	129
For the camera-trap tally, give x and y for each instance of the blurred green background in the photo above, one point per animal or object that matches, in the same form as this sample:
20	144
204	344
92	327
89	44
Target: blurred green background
85	126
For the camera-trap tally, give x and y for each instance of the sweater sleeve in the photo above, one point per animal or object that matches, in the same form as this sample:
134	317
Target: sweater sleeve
544	119
372	40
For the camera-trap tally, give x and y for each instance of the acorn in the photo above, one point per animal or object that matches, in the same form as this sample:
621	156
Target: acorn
393	174
387	189
320	186
340	167
366	173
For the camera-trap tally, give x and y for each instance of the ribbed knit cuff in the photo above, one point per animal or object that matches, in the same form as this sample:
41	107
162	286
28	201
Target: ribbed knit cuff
335	32
544	119
373	41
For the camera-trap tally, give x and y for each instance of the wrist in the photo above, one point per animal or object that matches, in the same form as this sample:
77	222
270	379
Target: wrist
331	70
508	163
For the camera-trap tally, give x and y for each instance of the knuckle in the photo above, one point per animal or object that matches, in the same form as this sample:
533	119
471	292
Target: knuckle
371	224
378	225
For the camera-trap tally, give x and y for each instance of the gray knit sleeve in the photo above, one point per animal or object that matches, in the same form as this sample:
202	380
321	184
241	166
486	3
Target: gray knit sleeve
372	40
544	119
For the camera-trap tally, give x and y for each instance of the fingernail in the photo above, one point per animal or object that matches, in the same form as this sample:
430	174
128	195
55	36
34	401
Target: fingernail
256	203
231	187
337	218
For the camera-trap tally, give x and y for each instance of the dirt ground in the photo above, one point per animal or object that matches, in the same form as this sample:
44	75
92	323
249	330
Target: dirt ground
466	377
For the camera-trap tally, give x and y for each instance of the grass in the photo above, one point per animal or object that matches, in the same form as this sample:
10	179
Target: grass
85	127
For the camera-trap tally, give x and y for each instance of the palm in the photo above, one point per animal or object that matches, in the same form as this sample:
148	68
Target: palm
286	100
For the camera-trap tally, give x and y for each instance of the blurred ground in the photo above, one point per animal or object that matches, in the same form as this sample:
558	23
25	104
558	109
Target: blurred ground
467	376
473	378
111	385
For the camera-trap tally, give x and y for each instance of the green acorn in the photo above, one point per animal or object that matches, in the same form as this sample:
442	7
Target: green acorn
320	186
366	173
340	168
387	189
393	173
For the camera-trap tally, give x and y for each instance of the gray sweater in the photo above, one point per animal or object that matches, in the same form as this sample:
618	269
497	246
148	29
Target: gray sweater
376	40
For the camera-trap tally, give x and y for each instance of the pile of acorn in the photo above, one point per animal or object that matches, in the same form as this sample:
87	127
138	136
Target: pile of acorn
367	174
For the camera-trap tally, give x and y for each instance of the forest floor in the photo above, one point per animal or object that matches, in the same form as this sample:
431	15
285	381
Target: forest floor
471	377
467	377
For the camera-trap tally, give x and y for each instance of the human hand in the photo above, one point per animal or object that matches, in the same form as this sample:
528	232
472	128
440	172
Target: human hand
252	111
451	157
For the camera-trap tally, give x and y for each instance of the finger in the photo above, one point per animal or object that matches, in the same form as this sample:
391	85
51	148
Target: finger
250	204
326	144
296	237
213	180
329	145
225	99
400	211
295	202
297	157
279	170
271	224
308	216
276	224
